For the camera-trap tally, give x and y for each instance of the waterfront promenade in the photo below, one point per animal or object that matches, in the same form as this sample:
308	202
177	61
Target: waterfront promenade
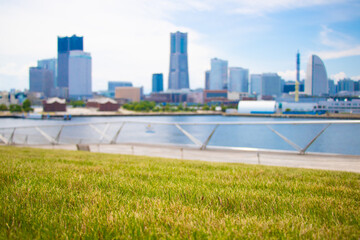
272	158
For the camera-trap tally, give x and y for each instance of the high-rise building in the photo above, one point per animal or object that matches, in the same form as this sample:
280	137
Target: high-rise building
332	87
74	68
346	84
65	45
218	74
114	84
316	83
357	85
255	84
79	74
297	77
50	64
270	84
238	79
178	72
207	80
41	80
157	82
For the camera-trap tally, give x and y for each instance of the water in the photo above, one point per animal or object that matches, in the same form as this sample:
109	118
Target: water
338	138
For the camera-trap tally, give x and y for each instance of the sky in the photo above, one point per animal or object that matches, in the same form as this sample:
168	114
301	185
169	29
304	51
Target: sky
129	40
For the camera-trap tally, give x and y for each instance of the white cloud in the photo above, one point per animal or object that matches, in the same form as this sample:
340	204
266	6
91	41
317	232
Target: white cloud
128	40
356	78
260	7
341	75
355	51
338	76
291	75
334	39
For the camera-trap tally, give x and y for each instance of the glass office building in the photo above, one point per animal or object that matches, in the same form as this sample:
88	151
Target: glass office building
270	84
79	75
316	83
255	84
50	64
157	82
65	45
41	80
238	79
218	74
178	72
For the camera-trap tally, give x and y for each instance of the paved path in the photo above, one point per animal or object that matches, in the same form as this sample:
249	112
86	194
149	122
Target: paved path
286	159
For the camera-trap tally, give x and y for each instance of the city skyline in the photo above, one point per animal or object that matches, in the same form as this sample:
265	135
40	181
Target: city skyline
130	42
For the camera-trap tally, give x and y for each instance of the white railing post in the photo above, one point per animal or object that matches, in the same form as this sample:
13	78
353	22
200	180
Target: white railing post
203	147
113	140
11	138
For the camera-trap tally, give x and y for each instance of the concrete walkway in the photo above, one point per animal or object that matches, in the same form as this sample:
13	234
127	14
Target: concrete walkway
286	159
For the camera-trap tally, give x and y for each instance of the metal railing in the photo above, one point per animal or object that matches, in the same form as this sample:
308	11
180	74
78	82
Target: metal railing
54	134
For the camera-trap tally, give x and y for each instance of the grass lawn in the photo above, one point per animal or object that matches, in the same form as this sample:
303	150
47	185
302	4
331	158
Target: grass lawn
56	194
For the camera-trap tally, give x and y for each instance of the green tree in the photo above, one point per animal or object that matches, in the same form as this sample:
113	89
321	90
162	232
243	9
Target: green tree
166	108
223	108
138	107
205	107
15	108
3	107
180	107
27	105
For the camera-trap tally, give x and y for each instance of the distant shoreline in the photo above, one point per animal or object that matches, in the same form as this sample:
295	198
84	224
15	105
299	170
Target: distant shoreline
210	113
277	115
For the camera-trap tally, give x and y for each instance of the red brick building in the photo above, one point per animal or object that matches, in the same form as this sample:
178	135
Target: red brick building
103	104
54	105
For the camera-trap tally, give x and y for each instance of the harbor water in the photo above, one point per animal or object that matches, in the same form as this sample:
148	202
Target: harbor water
338	138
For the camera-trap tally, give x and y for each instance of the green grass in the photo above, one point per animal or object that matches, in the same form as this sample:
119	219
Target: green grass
56	194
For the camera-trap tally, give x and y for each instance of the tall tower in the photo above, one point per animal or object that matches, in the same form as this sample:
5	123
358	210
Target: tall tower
74	68
178	72
297	77
65	45
316	83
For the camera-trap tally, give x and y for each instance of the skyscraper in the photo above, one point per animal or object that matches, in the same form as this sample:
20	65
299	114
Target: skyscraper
207	80
238	79
79	74
74	67
50	64
332	87
157	82
218	74
316	83
178	72
255	84
270	84
297	77
41	80
345	84
65	45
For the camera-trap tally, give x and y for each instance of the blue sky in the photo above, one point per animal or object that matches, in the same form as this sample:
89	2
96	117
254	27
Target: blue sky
129	40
